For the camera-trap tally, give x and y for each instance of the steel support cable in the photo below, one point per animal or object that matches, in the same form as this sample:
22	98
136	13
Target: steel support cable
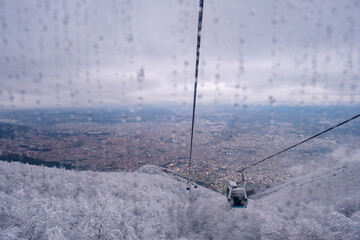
201	7
286	149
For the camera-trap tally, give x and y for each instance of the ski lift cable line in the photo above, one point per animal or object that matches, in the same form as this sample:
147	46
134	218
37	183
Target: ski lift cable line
201	7
295	145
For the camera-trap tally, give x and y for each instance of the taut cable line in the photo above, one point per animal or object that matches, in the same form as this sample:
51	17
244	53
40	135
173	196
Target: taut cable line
201	7
295	145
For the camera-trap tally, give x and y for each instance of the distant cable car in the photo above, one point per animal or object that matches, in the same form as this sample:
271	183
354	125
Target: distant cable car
236	193
189	184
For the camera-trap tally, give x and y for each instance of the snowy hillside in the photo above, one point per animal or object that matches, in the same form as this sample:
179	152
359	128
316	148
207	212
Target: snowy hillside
43	203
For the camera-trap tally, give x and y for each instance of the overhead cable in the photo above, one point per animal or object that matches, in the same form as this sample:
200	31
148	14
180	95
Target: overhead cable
201	7
297	144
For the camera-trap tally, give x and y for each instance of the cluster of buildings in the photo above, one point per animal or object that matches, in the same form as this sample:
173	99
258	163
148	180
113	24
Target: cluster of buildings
219	148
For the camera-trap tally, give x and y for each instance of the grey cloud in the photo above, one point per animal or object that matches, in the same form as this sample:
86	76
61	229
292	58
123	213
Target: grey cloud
78	51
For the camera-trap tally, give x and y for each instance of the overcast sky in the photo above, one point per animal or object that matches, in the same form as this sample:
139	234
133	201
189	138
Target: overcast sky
113	53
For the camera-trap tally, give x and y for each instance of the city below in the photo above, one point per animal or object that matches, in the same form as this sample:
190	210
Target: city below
225	140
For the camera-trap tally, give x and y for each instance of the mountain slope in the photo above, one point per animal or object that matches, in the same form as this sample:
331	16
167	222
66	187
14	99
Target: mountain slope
323	205
47	203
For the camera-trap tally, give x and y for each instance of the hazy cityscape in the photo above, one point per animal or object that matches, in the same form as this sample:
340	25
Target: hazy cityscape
225	140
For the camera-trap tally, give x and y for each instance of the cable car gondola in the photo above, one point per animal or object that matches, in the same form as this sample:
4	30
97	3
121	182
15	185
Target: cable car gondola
236	193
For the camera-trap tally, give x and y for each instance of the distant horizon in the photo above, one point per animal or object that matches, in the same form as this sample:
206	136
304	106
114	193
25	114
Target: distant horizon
136	108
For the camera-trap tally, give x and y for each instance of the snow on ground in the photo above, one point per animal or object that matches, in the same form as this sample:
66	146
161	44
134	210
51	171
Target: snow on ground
47	203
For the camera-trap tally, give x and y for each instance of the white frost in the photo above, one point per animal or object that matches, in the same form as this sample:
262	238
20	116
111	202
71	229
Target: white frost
46	203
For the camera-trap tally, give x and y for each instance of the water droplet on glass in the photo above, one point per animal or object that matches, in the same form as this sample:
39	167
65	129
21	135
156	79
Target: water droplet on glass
130	38
274	21
271	100
217	76
242	40
66	20
137	133
275	39
123	117
329	29
140	76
